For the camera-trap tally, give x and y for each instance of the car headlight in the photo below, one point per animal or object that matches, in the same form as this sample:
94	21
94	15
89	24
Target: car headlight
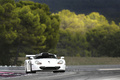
60	62
38	63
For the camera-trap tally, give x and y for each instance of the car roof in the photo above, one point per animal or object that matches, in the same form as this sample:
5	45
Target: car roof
44	54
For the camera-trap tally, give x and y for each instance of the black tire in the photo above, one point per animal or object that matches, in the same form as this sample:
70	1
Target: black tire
26	71
30	69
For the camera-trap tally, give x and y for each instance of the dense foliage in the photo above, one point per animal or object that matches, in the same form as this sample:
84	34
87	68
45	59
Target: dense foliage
88	35
26	27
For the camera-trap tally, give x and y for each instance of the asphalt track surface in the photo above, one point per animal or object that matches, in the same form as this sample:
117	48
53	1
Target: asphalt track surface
88	72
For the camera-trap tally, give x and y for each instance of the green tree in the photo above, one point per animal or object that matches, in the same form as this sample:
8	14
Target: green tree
38	30
7	1
26	27
83	34
7	33
98	36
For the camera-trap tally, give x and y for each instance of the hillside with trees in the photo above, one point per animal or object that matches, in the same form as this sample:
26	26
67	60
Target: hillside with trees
108	8
88	35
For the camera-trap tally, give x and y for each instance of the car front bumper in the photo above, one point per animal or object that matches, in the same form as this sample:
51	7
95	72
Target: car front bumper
50	68
47	68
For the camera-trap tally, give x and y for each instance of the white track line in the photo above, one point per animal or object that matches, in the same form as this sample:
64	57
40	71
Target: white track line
12	70
109	69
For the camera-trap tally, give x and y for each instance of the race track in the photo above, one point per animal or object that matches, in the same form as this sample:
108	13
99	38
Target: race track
88	72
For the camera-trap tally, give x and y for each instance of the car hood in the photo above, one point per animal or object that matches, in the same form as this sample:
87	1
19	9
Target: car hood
48	61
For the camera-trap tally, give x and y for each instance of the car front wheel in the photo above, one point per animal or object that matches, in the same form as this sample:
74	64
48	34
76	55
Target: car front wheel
27	72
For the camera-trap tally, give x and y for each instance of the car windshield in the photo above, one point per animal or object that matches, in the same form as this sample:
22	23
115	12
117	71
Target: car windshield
47	56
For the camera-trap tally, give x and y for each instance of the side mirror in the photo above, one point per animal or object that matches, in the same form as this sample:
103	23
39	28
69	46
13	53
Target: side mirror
62	57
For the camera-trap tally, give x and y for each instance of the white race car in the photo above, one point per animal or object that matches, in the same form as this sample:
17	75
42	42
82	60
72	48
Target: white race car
44	62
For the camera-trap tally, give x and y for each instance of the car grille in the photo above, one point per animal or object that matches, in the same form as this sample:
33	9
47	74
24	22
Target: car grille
49	68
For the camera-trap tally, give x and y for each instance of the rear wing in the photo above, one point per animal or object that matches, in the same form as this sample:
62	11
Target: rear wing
30	56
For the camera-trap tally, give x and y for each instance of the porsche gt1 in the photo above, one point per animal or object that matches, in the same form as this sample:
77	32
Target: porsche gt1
44	62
